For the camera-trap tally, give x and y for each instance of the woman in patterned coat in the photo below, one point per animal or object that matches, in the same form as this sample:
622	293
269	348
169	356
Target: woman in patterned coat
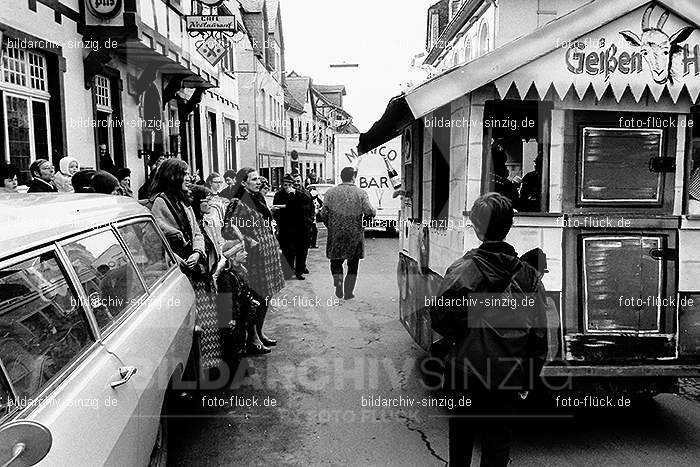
249	212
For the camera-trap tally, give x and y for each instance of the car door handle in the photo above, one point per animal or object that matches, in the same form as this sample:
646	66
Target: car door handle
126	372
17	450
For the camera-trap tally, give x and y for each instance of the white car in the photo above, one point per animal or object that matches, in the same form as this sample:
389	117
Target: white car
96	325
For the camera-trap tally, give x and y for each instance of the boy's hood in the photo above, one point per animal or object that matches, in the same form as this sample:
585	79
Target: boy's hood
497	262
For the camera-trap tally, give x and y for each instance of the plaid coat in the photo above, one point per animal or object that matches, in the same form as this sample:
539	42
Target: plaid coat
344	207
264	267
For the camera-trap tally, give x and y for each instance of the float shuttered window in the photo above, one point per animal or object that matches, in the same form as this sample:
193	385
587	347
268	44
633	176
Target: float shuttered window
615	166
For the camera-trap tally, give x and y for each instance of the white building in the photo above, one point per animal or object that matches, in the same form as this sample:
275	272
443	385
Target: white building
130	78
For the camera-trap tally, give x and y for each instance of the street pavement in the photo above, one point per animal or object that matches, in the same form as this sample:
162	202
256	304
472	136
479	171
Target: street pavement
332	358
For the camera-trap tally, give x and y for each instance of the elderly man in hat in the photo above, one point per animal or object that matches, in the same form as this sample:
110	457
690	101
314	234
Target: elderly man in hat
293	230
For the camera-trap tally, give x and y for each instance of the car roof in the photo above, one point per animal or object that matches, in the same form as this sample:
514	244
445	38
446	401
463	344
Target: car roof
321	185
31	219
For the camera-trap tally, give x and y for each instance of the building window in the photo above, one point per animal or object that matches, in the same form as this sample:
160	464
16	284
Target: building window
271	113
263	100
24	117
174	129
21	66
14	65
103	98
434	28
228	62
229	143
37	71
484	39
468	50
212	141
273	62
291	129
307	132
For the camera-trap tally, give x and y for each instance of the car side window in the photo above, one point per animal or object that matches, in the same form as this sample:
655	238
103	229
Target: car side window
107	275
42	327
148	250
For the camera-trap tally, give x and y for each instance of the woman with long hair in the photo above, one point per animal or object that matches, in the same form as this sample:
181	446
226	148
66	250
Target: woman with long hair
249	212
173	212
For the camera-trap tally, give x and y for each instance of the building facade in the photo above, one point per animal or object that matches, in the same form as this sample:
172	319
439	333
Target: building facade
260	57
459	31
77	75
309	135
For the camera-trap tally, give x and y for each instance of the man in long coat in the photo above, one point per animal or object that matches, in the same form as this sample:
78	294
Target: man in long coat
292	221
343	211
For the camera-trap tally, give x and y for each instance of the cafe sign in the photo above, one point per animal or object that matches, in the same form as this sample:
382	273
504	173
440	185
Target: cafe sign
648	48
213	32
210	23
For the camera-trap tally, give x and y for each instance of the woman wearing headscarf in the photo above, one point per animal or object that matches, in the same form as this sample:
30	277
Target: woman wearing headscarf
249	212
234	301
68	166
42	172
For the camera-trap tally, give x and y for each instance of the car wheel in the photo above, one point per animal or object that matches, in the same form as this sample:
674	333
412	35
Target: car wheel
159	454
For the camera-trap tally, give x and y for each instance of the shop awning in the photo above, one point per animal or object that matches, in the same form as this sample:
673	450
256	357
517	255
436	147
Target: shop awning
397	116
539	58
139	54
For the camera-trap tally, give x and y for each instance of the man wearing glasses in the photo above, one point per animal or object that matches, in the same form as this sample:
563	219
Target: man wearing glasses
215	182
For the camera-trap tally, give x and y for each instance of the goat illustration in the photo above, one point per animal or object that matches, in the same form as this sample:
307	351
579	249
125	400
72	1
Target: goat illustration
658	49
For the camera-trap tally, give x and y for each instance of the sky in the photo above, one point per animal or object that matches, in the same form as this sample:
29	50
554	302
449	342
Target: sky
382	36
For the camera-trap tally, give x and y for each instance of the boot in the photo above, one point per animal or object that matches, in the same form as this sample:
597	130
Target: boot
349	287
262	311
338	283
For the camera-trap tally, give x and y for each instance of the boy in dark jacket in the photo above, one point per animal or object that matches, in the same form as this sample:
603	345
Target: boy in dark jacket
492	306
